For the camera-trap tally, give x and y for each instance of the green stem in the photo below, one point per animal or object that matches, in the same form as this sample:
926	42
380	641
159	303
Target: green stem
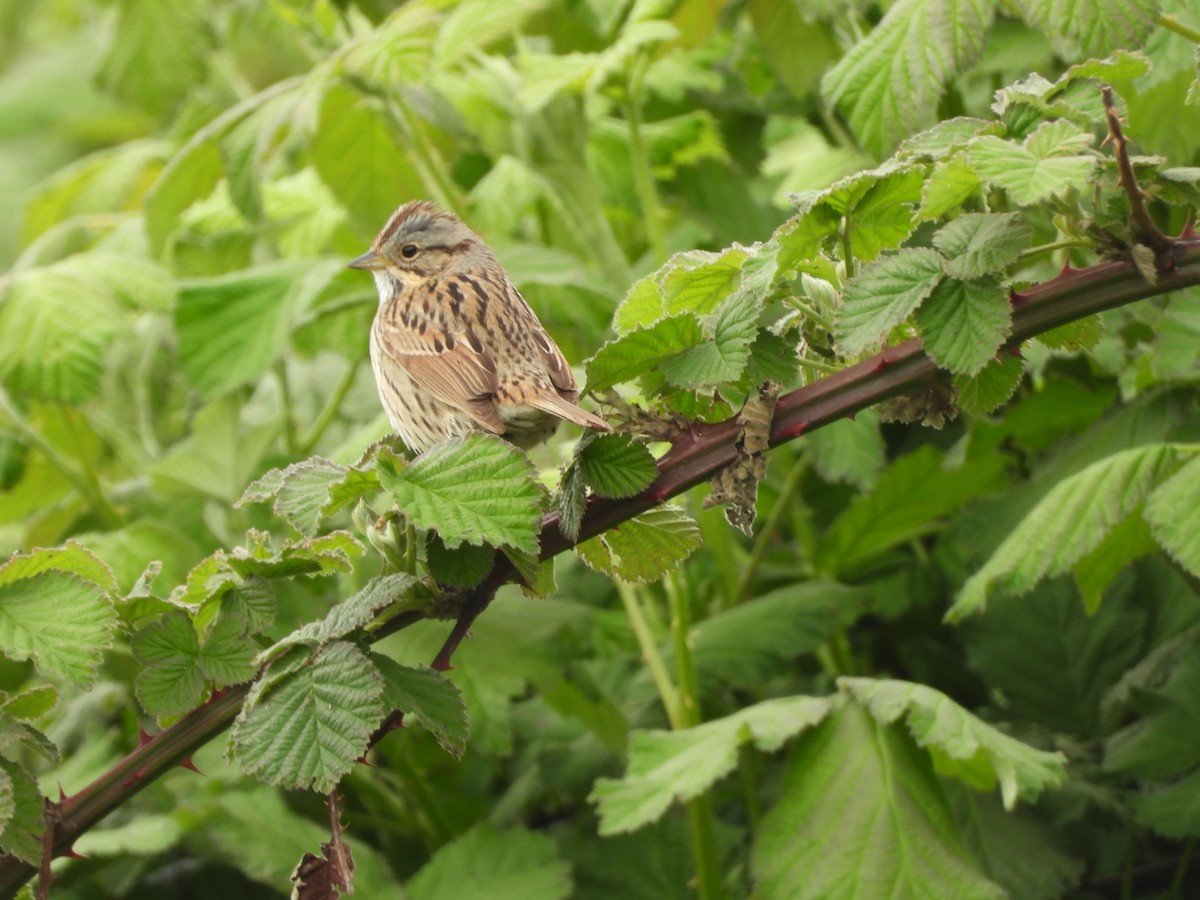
701	820
88	487
770	526
329	412
667	692
1051	247
810	312
288	413
1171	23
647	190
1185	859
817	366
678	601
703	833
847	249
410	547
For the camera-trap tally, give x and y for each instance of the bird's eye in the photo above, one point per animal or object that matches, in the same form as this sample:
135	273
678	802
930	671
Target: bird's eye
408	251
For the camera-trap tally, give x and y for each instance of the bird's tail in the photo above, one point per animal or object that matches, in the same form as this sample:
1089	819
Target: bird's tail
565	409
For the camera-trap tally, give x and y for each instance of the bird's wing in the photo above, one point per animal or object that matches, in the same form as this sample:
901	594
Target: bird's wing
552	358
455	368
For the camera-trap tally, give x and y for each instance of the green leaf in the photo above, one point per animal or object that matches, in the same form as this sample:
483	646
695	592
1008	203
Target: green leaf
1172	513
1122	65
135	281
8	804
353	613
940	141
333	552
1069	521
307	731
486	861
22	835
641	351
884	215
963	323
428	699
613	465
227	654
1164	743
962	745
724	357
1091	29
399	51
56	609
177	667
777	25
32	703
219	457
463	566
908	500
1050	162
862	798
801	237
106	181
772	358
1073	337
674	766
888	85
1126	542
1017	850
160	51
849	450
1054	661
572	498
990	387
307	492
644	548
43	351
191	175
360	158
978	244
478	489
952	183
20	738
143	836
883	295
232	327
643	305
744	646
653	863
700	287
874	208
171	682
1173	811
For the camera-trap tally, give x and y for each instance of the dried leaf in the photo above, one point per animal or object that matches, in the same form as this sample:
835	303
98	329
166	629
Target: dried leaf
736	486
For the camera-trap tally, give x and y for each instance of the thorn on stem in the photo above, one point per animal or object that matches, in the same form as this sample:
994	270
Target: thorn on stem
1144	225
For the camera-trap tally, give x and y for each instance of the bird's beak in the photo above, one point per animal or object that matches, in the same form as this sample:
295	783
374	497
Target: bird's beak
369	261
